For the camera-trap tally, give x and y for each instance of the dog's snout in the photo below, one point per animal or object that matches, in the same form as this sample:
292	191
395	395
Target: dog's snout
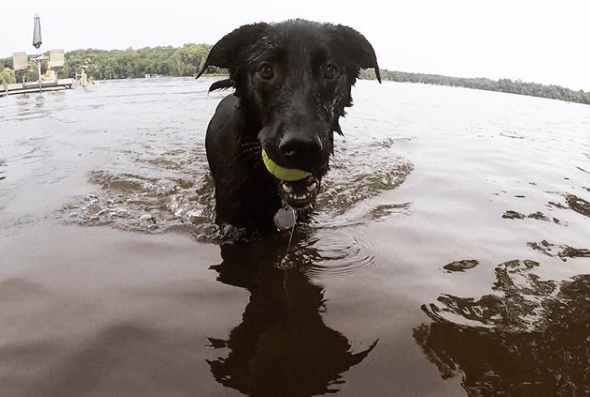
300	151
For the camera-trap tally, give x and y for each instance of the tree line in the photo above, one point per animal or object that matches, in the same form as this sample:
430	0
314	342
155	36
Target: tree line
125	64
187	61
481	83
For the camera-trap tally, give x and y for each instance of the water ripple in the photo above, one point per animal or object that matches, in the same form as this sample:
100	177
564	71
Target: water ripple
342	251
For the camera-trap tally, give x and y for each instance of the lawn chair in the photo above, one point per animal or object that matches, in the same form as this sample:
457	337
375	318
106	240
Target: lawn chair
21	64
56	62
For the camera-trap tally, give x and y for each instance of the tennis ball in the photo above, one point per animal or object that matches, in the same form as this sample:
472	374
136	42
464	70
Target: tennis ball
285	174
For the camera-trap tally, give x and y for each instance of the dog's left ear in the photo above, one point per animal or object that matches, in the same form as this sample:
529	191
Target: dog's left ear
358	49
226	52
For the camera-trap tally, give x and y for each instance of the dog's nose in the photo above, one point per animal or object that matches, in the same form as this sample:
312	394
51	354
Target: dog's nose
302	152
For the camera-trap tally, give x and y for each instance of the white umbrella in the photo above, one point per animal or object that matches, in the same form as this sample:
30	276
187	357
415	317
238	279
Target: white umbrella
37	32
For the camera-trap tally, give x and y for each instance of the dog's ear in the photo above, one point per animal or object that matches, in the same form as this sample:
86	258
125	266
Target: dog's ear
226	53
358	49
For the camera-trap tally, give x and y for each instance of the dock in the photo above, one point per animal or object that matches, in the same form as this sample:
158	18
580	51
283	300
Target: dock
36	86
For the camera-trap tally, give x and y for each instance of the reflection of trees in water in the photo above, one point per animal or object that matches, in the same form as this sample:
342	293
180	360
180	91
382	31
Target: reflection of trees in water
282	347
531	339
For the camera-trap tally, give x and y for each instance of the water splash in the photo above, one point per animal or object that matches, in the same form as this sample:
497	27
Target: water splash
174	191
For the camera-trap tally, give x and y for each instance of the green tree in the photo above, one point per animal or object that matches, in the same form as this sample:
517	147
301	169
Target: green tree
187	61
7	76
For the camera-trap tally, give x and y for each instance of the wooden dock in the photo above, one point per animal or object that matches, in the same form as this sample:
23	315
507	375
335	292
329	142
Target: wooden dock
36	86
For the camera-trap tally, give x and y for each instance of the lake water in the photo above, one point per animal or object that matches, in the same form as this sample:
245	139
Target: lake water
449	255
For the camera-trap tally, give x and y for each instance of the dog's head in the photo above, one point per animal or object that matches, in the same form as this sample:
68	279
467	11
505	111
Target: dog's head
294	79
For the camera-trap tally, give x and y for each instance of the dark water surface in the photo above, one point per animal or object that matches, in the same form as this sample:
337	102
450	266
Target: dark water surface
449	256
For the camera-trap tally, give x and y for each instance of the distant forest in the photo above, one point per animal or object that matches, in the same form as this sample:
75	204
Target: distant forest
186	61
129	63
481	83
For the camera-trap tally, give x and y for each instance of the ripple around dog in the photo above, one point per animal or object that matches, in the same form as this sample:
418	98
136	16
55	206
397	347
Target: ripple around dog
178	196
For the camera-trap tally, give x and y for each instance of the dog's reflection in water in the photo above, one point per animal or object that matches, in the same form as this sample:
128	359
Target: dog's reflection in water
282	346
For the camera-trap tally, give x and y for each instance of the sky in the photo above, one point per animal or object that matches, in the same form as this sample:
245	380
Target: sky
534	41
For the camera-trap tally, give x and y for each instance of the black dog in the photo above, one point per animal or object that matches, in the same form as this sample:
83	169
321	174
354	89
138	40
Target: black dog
292	82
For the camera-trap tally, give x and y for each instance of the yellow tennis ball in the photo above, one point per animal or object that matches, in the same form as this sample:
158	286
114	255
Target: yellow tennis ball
285	174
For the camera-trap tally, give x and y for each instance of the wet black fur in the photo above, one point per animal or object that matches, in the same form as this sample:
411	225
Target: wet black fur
292	83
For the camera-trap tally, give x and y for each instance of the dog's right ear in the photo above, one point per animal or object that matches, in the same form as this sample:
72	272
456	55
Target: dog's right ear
359	49
226	53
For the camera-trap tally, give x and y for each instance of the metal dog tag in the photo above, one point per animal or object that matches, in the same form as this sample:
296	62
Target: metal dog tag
285	218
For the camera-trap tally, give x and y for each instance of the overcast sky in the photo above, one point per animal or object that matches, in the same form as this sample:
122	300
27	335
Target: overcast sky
540	41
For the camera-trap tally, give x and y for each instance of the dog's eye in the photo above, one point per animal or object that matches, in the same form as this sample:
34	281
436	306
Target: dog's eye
265	72
330	71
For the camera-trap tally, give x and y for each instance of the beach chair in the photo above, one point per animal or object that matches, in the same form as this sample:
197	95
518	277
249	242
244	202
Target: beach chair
56	61
21	64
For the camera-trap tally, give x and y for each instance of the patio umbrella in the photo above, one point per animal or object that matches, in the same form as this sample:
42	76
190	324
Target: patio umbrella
37	32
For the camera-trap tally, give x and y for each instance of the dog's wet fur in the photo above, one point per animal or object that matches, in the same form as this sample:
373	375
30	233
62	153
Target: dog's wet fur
292	83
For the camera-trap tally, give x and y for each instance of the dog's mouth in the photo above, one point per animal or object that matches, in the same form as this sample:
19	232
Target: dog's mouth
299	194
297	188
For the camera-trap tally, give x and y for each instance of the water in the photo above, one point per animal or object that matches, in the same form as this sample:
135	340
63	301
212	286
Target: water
449	255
